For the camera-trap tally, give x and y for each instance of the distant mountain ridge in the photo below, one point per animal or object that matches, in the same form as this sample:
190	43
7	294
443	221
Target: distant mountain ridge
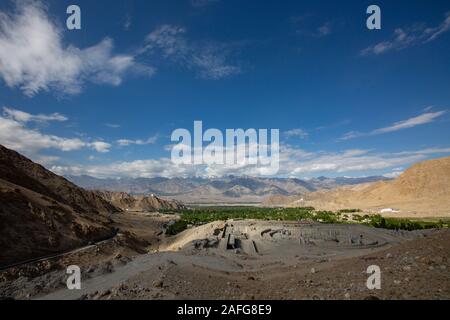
229	189
128	202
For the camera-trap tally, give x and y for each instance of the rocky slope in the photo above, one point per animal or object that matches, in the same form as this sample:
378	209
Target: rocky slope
21	171
129	202
42	213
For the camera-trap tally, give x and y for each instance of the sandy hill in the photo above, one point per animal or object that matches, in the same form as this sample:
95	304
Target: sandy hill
126	201
42	213
422	190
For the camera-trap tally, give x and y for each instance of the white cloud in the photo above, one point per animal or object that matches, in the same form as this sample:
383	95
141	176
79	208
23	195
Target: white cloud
34	57
426	151
127	22
394	174
349	162
127	142
309	28
405	38
99	146
324	29
296	133
400	125
46	160
433	33
294	162
112	125
15	135
352	135
22	116
412	122
211	60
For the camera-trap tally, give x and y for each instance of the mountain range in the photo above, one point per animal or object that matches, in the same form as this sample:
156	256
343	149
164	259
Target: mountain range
228	189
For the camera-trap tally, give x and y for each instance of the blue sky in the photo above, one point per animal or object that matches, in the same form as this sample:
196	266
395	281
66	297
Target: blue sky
104	100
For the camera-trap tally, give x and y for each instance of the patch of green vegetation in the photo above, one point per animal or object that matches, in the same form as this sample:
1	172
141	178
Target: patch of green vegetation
203	215
359	218
349	210
378	221
177	227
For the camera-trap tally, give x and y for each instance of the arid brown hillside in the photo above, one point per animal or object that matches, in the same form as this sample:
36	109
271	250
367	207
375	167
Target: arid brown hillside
126	201
428	179
21	171
42	213
422	190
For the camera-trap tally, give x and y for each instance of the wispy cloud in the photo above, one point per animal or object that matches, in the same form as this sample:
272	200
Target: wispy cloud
15	134
127	142
46	160
426	151
112	125
412	122
403	38
324	29
394	174
127	22
304	26
34	58
400	125
210	59
335	125
296	133
22	116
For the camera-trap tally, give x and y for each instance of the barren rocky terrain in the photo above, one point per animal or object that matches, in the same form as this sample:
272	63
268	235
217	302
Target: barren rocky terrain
264	260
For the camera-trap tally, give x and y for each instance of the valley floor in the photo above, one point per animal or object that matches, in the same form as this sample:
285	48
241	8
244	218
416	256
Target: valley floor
244	260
